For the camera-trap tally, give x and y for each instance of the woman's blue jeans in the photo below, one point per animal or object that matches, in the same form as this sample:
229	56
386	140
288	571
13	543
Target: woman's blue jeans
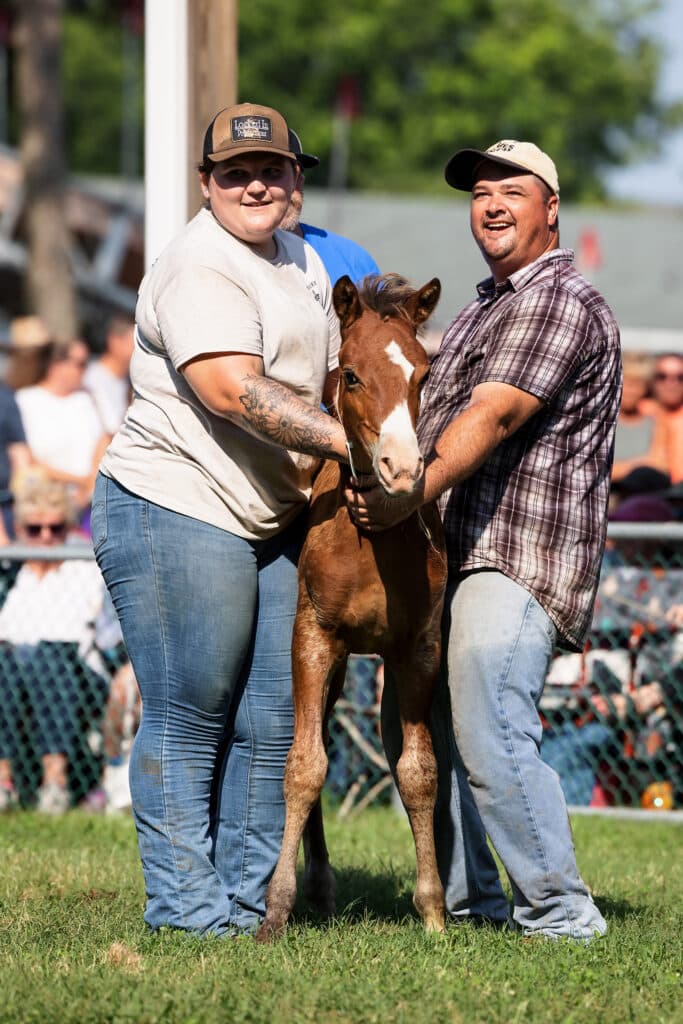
207	621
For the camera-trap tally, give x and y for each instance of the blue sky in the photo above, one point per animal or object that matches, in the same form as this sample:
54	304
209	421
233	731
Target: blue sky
660	180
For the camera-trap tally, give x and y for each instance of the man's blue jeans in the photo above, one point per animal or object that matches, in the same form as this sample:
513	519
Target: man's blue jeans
498	642
207	621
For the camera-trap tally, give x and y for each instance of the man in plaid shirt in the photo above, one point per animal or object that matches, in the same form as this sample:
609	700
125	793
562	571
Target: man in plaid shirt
517	425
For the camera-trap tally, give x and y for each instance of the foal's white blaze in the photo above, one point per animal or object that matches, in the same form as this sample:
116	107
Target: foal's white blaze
398	462
393	350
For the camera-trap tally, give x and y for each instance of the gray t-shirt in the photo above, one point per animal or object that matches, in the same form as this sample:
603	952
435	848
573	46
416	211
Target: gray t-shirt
210	293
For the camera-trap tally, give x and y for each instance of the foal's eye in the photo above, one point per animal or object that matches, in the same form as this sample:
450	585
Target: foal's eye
350	378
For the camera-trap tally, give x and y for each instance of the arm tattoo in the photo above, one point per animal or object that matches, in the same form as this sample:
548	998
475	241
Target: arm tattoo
273	412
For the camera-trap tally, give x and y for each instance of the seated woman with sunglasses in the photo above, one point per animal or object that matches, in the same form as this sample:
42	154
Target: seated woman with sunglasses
63	428
667	398
51	681
641	436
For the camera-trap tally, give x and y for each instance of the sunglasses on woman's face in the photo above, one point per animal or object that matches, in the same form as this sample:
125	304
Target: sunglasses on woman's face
54	529
669	376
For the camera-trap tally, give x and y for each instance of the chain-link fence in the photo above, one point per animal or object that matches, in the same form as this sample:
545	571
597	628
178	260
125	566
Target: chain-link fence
612	714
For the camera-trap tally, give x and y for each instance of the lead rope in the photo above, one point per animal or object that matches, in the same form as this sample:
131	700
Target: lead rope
430	540
425	529
349	446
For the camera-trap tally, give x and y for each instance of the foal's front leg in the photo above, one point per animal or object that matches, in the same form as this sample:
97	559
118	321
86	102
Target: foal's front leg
416	774
315	656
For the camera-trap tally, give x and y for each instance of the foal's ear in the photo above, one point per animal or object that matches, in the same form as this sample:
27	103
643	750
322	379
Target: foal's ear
421	303
346	302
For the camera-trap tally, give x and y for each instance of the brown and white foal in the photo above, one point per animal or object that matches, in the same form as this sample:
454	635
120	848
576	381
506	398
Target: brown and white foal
367	593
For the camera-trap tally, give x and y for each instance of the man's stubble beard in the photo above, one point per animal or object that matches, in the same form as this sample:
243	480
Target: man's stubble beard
290	221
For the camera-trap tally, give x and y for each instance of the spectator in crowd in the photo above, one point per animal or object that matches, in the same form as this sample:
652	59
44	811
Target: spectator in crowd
63	428
667	399
517	424
197	524
339	254
121	721
641	437
15	458
28	341
575	743
52	679
608	725
27	336
107	378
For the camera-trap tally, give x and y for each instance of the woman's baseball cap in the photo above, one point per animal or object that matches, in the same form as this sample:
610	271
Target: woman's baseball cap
247	128
461	169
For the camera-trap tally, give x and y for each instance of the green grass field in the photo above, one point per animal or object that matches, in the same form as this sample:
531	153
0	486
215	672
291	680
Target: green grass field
73	947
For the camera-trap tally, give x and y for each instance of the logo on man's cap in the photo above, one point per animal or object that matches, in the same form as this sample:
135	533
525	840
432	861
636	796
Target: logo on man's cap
252	129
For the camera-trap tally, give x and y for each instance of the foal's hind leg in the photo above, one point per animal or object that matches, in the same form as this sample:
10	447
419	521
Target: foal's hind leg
320	887
416	774
315	655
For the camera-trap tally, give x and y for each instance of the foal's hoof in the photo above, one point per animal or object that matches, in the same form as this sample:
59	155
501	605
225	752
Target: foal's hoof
324	905
434	921
269	932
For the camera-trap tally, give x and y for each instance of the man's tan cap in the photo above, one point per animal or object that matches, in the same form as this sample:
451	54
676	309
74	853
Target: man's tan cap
246	128
524	156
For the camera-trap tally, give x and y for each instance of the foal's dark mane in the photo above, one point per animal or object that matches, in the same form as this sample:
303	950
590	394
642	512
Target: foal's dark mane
385	294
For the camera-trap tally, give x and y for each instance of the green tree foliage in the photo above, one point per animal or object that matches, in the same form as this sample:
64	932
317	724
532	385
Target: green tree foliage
103	79
576	76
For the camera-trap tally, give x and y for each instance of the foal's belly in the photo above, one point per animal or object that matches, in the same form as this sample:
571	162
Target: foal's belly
357	615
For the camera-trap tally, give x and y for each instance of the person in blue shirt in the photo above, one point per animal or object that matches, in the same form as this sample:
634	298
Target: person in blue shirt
339	254
14	457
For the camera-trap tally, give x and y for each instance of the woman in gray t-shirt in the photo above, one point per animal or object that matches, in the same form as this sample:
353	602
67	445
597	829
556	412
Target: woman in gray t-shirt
196	524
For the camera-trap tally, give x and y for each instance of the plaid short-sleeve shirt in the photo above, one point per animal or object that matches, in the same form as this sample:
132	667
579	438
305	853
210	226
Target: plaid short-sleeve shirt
537	509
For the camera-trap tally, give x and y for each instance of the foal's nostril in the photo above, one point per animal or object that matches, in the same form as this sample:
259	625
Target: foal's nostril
390	472
388	466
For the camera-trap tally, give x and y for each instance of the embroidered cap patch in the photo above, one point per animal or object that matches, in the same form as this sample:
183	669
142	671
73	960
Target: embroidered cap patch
254	129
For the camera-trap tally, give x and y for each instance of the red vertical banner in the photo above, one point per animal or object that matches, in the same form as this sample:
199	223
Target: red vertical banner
5	27
347	104
589	252
134	16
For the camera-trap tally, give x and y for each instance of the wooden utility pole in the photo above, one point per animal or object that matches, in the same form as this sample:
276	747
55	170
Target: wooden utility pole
50	285
212	76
